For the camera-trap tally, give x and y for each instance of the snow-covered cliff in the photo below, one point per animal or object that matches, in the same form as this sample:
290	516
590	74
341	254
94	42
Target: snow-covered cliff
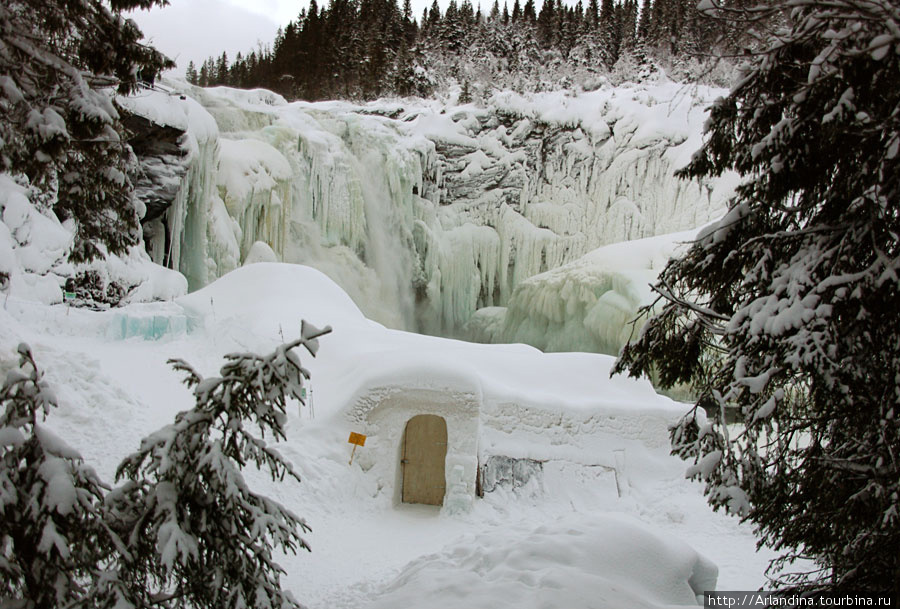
424	213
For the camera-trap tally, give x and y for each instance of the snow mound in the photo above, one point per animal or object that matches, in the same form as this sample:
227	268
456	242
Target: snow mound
260	252
272	297
606	562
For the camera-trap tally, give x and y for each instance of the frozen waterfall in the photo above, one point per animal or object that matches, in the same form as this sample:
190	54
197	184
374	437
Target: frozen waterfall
436	218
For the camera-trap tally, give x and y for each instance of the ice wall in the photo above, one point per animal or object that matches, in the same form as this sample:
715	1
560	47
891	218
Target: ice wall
426	214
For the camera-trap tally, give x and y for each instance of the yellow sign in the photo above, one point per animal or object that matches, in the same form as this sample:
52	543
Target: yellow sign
356	439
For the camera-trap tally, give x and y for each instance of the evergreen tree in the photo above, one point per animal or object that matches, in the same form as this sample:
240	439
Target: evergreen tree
434	15
409	24
184	530
191	74
528	13
60	127
626	25
222	69
643	29
465	94
786	309
610	34
51	533
593	14
547	23
196	534
236	73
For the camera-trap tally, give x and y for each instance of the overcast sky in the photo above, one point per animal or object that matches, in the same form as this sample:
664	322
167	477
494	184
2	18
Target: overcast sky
192	30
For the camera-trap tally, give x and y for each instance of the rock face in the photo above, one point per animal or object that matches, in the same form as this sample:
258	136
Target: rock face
425	214
163	162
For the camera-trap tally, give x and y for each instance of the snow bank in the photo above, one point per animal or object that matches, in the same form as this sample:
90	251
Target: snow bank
271	298
496	400
606	562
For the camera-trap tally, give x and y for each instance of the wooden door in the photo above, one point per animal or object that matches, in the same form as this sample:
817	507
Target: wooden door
424	453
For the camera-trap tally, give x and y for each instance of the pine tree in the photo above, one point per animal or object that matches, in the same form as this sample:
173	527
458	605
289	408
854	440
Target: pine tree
465	94
197	535
528	13
204	74
643	29
51	534
191	73
59	61
184	529
593	14
609	31
786	309
222	69
547	24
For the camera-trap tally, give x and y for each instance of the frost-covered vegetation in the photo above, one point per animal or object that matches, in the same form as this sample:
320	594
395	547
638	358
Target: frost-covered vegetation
60	127
375	48
183	528
786	307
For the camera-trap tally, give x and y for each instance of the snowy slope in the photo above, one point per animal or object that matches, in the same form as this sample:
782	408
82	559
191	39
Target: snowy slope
564	539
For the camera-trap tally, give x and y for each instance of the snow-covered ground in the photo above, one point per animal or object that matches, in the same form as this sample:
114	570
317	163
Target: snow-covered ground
563	539
606	520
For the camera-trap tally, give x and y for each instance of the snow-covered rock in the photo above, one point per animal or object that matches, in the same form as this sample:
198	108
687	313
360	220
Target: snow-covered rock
34	251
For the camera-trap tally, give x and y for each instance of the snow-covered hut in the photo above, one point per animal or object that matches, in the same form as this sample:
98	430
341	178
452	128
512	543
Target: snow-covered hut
422	437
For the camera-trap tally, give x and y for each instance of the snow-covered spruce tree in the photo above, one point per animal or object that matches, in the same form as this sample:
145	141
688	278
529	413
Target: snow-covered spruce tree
52	540
787	308
59	62
197	536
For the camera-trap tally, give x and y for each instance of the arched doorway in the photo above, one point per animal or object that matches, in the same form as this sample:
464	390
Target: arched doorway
424	453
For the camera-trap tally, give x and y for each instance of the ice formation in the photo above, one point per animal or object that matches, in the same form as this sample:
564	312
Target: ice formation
426	214
587	304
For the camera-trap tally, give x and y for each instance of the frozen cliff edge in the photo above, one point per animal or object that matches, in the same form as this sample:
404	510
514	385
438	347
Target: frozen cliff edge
423	213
